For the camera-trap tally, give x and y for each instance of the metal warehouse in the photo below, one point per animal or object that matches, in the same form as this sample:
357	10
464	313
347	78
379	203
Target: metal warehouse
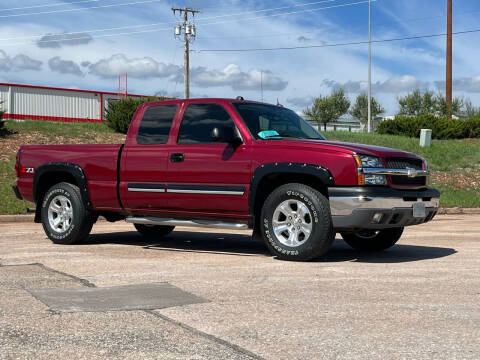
31	102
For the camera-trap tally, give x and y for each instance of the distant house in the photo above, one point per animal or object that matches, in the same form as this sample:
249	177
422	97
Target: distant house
344	123
21	102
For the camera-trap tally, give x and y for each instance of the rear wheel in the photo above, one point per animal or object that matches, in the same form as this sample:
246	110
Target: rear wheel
296	223
373	240
65	218
154	230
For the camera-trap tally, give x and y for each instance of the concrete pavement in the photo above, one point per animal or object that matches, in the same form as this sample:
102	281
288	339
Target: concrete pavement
420	299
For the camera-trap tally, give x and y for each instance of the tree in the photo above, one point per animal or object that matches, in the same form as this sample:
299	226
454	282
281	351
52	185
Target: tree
415	103
471	110
360	108
441	106
119	113
329	108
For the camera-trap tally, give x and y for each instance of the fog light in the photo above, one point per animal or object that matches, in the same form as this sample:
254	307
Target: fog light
377	218
375	180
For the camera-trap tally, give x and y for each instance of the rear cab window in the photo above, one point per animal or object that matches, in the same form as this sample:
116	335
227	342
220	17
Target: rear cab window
155	125
199	120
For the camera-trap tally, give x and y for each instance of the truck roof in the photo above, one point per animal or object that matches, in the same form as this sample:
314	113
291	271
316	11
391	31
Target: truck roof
203	100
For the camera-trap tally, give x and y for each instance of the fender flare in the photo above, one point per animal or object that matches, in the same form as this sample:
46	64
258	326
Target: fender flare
60	167
260	172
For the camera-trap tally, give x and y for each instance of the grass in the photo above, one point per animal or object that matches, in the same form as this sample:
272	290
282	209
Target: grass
9	204
70	128
455	164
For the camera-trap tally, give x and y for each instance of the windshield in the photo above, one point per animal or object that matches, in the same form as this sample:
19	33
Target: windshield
275	122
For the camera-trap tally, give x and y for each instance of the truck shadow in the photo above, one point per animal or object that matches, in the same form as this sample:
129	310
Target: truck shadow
399	253
243	245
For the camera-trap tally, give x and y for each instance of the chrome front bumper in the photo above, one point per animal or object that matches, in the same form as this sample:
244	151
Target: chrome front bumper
356	207
346	205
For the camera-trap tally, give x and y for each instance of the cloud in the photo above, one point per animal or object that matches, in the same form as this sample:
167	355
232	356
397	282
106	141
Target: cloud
470	85
140	68
300	102
18	62
64	66
85	63
303	39
59	40
393	85
237	79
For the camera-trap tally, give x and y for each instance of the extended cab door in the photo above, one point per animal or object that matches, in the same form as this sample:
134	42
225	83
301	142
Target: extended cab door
206	176
144	164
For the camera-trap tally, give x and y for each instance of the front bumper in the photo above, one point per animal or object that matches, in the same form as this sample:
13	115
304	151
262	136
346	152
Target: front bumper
355	208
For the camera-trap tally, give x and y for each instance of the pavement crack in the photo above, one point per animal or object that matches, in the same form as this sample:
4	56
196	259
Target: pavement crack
206	335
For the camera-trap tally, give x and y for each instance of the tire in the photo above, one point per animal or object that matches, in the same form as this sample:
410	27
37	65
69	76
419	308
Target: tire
292	206
154	230
65	218
371	240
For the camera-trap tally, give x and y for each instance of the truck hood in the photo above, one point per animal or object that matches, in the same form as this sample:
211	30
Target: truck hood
351	148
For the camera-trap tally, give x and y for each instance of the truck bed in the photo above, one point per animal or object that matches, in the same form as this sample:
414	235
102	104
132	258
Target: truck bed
99	163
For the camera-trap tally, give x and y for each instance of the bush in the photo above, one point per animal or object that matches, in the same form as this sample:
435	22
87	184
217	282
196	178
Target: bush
119	113
442	127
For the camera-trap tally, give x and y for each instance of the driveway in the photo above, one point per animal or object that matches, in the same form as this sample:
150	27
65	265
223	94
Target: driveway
219	295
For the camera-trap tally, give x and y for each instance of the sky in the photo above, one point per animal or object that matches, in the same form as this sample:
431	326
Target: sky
86	43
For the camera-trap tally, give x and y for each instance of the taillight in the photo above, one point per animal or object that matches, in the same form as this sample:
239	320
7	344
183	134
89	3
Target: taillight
17	164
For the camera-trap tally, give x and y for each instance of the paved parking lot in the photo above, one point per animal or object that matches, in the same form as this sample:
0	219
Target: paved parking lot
419	300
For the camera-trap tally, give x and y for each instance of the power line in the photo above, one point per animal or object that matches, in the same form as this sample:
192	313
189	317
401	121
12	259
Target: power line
166	23
270	9
78	9
49	5
291	12
338	44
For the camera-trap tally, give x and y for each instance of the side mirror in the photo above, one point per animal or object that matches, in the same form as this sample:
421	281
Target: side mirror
226	135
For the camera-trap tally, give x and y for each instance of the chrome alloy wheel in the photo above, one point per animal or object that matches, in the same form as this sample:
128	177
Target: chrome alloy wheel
60	214
292	223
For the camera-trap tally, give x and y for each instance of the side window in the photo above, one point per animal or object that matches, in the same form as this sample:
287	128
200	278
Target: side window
155	125
199	120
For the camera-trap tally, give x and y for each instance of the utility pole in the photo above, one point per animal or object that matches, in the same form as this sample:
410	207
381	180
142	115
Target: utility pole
369	123
448	92
189	33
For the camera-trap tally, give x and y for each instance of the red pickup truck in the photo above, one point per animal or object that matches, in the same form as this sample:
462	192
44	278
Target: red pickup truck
229	163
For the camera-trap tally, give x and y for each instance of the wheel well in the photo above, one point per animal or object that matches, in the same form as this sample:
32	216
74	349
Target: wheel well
272	181
49	179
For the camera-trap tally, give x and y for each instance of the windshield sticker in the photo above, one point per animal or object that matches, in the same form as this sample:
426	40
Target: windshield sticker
268	134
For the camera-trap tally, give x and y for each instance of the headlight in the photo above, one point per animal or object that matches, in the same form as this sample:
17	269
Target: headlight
370	161
366	161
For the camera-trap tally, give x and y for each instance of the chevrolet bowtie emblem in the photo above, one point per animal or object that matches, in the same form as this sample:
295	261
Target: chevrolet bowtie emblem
412	172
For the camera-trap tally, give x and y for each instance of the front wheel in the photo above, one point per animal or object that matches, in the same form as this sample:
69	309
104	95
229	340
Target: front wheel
373	240
296	223
154	230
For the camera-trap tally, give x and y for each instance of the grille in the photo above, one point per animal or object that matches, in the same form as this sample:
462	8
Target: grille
404	163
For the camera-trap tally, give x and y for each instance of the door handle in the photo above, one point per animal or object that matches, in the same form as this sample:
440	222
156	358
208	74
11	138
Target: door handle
177	157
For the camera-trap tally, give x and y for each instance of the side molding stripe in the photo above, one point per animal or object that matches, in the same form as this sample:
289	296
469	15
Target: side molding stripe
136	187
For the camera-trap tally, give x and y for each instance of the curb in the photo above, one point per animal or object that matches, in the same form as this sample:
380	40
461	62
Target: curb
441	211
458	211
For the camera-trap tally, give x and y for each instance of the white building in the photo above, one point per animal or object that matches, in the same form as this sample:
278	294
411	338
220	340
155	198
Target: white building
29	102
